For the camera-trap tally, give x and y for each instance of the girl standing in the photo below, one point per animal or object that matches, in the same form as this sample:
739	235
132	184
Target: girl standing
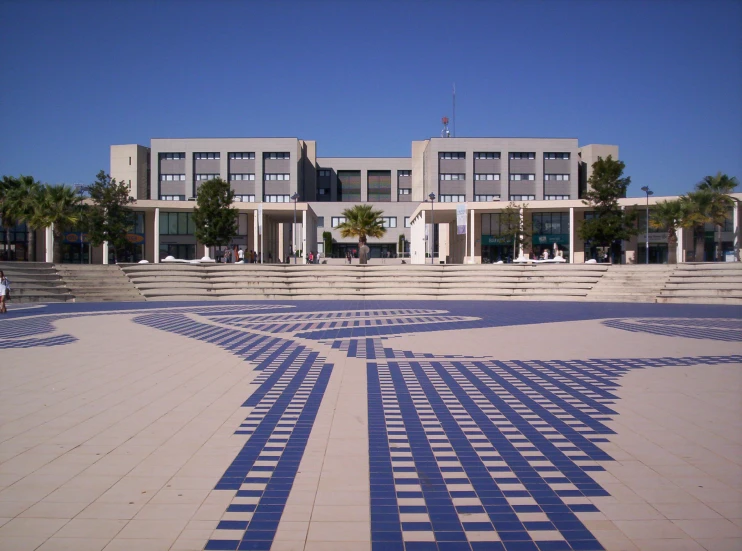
4	292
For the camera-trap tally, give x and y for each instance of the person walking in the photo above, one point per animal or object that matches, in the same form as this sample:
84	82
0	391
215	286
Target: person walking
4	292
241	255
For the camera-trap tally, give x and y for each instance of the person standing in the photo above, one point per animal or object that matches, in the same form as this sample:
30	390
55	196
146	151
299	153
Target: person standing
241	255
4	292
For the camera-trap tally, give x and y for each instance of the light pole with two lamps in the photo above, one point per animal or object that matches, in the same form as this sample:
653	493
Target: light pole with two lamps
649	192
294	198
432	229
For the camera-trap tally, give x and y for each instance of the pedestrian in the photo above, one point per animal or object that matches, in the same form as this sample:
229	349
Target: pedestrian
270	258
347	257
4	292
311	257
241	255
228	256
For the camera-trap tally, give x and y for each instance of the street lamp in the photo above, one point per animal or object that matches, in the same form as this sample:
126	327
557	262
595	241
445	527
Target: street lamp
294	198
649	192
81	189
432	229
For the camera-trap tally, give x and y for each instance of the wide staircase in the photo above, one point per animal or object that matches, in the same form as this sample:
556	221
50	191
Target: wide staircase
707	283
35	282
631	283
400	282
98	283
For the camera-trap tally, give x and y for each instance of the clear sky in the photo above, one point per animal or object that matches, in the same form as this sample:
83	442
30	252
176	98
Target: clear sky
662	79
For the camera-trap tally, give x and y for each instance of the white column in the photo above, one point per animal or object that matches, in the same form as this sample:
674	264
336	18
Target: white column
679	246
571	235
304	236
49	239
736	228
105	252
157	236
255	237
471	232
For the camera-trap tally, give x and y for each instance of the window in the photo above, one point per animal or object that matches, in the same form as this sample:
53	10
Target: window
557	177
337	220
280	177
488	177
522	197
519	177
206	176
172	177
556	197
484	198
451	198
550	223
320	221
129	161
241	177
235	156
404	173
407	222
564	156
244	198
323	173
177	223
404	191
523	155
172	156
277	156
389	221
453	177
172	197
206	156
488	155
449	155
349	185
277	199
322	191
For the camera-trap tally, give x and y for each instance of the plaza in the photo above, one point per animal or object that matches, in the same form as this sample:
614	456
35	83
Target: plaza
371	425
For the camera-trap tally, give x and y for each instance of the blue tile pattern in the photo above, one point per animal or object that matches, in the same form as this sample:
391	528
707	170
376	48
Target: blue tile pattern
465	453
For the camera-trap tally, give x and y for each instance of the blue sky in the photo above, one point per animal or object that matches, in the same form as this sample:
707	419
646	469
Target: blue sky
662	79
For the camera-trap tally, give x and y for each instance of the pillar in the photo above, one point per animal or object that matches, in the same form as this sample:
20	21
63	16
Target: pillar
304	236
105	252
520	222
736	229
157	236
679	247
49	240
471	232
571	235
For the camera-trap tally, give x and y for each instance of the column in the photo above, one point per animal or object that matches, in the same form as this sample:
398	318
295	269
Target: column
520	222
157	236
679	247
105	252
49	239
255	237
304	237
571	235
471	232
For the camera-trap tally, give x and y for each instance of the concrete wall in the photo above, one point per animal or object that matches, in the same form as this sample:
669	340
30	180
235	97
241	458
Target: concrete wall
130	164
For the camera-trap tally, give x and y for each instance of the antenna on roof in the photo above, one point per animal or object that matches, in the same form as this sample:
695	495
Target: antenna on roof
454	109
445	133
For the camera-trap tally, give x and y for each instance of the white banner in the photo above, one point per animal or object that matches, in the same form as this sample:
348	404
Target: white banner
461	219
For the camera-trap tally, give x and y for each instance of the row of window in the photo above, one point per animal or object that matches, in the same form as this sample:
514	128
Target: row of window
404	191
216	156
276	155
522	197
557	177
520	177
244	198
485	198
277	199
496	155
564	156
237	156
172	197
206	176
447	177
177	223
488	177
451	198
172	156
488	155
556	197
404	173
280	177
201	156
449	155
323	173
386	221
172	177
240	177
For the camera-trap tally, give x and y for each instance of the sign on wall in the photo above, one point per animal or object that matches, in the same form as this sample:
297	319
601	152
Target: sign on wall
461	219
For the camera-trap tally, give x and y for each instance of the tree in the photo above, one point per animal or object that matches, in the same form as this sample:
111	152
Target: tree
666	216
362	221
214	217
611	223
108	216
719	186
8	185
515	228
327	240
25	201
59	208
703	207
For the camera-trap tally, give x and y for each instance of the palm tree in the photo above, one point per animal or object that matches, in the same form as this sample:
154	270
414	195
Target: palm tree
720	186
59	208
9	217
666	215
362	221
25	201
698	209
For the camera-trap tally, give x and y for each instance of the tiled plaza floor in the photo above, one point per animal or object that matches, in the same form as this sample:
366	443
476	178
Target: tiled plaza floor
343	426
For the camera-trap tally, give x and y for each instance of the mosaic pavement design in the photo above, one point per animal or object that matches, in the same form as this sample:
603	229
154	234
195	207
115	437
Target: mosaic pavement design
475	454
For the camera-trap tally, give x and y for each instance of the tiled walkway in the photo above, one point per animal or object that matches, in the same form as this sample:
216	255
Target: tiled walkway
371	426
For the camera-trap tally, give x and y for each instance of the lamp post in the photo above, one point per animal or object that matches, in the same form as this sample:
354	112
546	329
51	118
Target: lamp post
294	198
649	192
81	189
432	229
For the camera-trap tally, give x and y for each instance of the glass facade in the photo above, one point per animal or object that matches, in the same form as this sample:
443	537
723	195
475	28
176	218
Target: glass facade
551	234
